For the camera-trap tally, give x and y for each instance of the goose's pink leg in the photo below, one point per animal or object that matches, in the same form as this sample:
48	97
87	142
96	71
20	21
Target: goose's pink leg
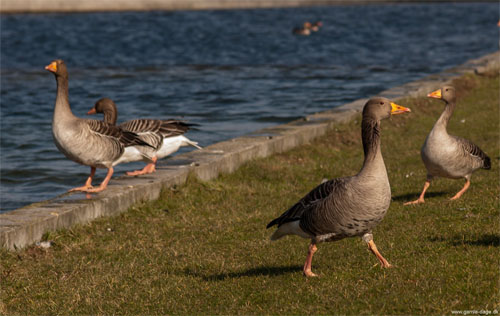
382	260
104	183
307	265
421	198
459	193
149	168
88	183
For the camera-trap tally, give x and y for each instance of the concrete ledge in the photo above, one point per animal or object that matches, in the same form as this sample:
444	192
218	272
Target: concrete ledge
24	226
40	6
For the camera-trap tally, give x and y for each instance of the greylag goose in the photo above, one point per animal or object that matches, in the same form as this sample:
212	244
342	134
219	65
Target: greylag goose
88	142
449	156
165	135
350	206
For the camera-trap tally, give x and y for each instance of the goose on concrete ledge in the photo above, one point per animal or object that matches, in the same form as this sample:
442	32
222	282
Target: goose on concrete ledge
166	136
350	206
449	156
88	142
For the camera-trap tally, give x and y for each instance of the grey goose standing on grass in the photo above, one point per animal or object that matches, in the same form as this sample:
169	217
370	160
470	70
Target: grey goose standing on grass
350	206
166	136
88	142
449	156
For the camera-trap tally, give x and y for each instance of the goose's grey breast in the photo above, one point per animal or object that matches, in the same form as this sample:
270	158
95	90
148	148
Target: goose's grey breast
79	142
353	208
444	156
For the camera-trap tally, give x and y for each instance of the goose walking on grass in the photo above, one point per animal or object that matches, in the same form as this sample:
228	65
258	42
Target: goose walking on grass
88	142
449	156
350	206
166	136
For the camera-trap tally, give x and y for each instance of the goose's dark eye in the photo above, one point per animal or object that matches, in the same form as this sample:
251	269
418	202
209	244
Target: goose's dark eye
382	103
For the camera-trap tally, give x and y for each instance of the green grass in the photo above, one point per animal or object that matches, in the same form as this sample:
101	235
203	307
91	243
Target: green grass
203	247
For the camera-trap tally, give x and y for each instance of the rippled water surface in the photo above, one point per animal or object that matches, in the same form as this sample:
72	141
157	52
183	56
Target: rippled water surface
231	71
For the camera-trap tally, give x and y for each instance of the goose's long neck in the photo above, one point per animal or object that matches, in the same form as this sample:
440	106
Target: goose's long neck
443	120
373	164
62	109
110	116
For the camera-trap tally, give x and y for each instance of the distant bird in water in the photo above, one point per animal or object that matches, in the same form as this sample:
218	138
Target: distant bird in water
88	142
307	28
316	25
166	136
350	206
301	31
449	156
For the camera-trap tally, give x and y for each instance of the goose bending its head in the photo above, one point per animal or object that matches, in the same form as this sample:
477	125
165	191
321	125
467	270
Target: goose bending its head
88	142
350	206
446	155
166	136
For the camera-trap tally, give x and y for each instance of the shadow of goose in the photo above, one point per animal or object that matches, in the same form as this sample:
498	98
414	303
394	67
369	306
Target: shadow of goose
260	271
413	196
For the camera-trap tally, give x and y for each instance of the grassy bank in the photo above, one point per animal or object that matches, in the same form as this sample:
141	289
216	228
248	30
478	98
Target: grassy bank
203	247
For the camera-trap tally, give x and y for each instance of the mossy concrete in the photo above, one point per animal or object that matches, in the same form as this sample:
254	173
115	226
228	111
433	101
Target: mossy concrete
25	226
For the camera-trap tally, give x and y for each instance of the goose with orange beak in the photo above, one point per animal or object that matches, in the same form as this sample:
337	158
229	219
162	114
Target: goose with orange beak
89	142
350	206
449	156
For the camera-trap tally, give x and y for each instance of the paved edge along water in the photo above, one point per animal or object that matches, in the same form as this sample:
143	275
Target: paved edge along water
42	6
24	226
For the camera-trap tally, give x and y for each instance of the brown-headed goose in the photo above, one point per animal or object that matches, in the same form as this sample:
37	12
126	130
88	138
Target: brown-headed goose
88	142
350	206
449	156
166	136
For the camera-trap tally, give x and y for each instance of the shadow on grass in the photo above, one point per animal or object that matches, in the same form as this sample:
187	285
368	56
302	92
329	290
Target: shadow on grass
414	196
261	271
458	240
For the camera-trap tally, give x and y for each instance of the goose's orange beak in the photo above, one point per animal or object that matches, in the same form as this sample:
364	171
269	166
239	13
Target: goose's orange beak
435	94
52	67
92	111
398	109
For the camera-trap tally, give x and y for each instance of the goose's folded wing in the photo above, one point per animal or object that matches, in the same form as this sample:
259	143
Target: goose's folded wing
307	202
126	138
171	128
153	131
471	149
147	129
142	126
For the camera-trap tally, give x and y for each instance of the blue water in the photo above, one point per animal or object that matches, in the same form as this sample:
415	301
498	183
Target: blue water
232	71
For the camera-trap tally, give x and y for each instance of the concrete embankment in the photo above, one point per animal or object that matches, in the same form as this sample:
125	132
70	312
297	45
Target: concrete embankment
40	6
24	226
